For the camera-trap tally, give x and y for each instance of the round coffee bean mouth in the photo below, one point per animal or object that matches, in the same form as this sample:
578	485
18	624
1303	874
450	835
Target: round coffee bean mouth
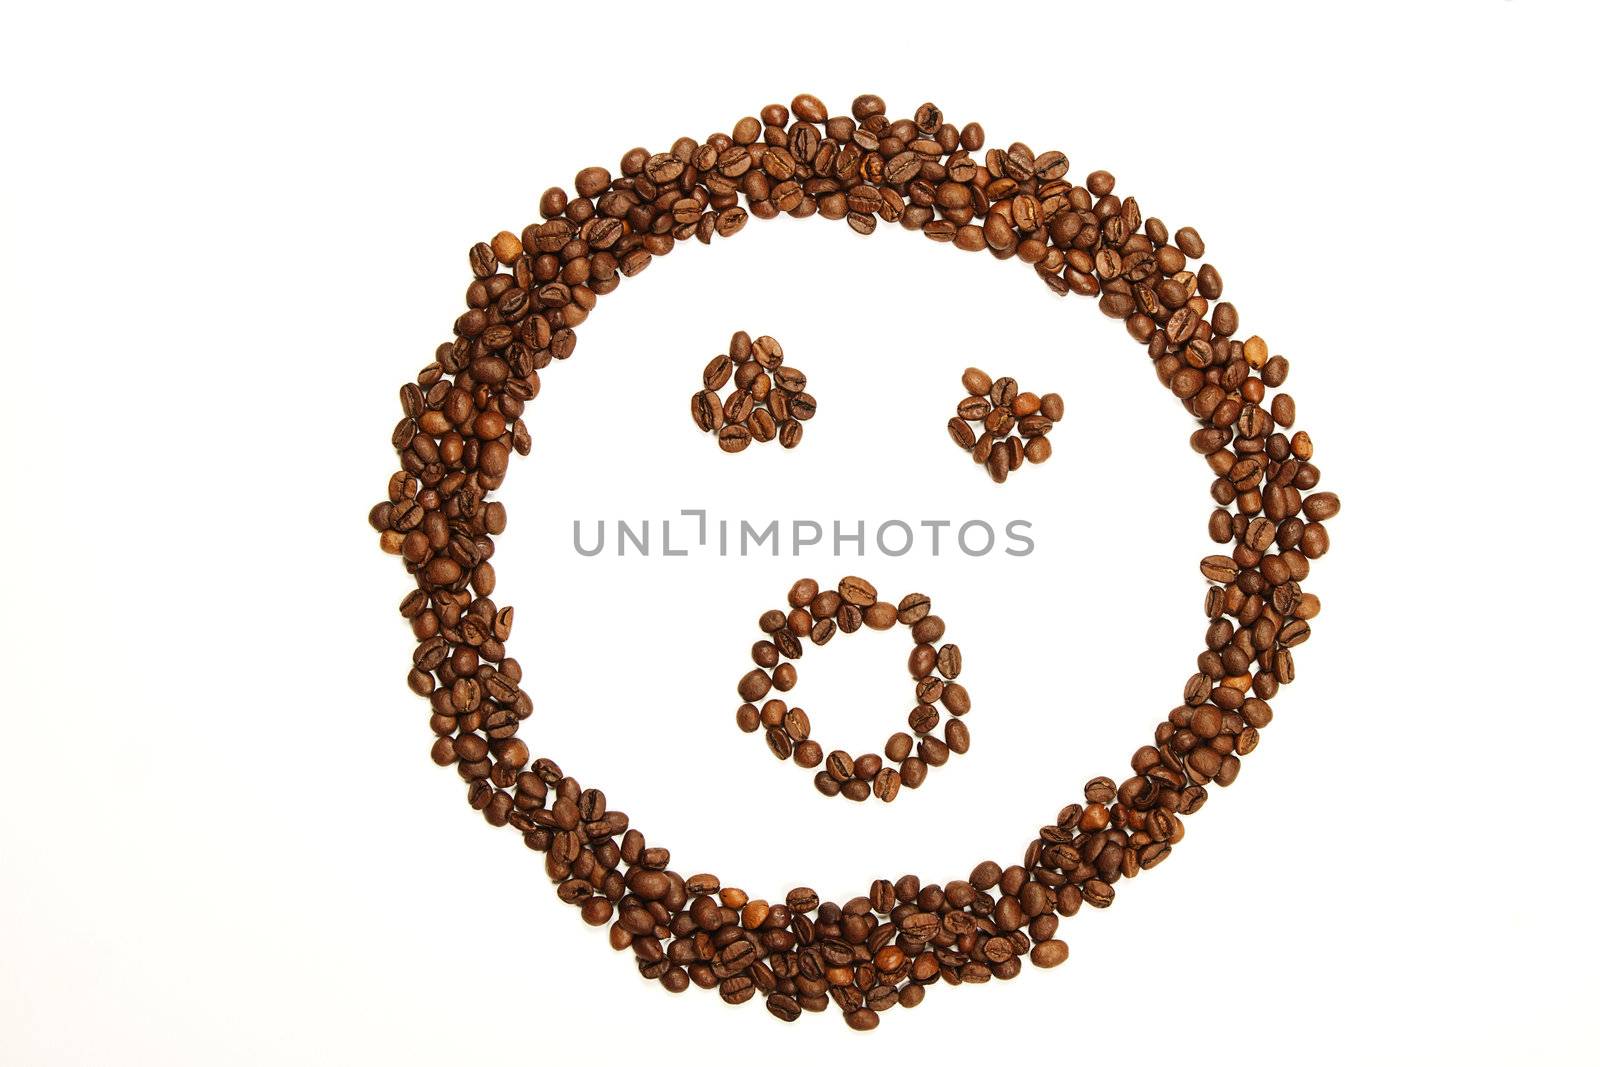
817	615
463	419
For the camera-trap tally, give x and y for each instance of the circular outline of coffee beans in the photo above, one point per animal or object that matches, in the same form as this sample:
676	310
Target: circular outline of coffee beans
462	419
818	615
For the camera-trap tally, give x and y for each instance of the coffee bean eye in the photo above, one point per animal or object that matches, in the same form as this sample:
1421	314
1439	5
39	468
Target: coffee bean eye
767	402
466	414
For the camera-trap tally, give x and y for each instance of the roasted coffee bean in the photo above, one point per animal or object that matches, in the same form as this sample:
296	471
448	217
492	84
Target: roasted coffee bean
779	743
913	772
973	409
707	410
789	379
998	464
717	372
961	433
767	352
755	685
748	718
733	438
762	427
802	406
738	406
898	747
857	591
913	608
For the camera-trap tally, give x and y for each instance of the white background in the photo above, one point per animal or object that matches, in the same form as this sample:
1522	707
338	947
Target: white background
231	232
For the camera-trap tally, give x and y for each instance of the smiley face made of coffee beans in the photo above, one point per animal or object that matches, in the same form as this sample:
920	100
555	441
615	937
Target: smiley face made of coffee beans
464	418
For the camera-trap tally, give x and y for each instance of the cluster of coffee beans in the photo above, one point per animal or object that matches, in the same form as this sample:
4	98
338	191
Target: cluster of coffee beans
463	417
817	614
768	401
997	406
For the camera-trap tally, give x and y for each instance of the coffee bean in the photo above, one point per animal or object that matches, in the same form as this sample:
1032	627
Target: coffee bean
898	747
857	591
789	379
880	616
738	406
797	724
998	464
733	438
862	1019
913	608
767	352
961	433
913	772
1321	506
717	373
755	685
973	409
1049	953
